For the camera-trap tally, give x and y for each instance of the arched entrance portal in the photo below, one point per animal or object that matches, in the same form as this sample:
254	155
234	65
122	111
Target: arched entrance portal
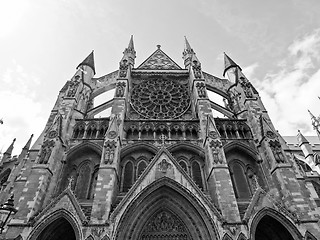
165	210
271	229
165	225
60	229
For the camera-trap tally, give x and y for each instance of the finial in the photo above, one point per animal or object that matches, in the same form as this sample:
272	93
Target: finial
28	144
163	138
10	148
158	46
131	45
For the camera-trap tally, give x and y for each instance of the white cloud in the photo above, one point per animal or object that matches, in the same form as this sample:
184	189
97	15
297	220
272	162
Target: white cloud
20	112
249	70
294	88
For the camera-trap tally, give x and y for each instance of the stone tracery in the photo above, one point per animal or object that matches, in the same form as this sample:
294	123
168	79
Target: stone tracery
160	99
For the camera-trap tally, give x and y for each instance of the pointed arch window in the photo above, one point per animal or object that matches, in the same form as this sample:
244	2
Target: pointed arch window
83	181
240	180
196	174
141	167
184	165
127	176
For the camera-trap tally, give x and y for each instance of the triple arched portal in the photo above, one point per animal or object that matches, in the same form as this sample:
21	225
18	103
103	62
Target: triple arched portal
165	210
163	216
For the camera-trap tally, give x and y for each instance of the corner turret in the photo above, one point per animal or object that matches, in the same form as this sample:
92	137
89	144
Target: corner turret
231	69
88	61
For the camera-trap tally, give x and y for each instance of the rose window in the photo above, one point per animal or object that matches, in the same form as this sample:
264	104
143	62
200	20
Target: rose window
160	99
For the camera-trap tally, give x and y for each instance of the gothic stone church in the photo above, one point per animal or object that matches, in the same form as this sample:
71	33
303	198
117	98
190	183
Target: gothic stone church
161	166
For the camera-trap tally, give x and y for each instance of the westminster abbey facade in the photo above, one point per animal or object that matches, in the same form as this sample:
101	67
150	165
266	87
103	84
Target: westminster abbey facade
162	165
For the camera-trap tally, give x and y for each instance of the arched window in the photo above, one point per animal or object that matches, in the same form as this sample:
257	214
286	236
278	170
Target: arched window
141	167
81	172
93	183
127	176
83	181
244	171
240	181
196	174
184	165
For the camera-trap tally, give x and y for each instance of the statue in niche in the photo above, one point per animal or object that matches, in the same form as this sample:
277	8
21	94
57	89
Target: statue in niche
246	86
73	87
215	146
109	151
46	151
196	69
277	152
123	68
120	89
201	87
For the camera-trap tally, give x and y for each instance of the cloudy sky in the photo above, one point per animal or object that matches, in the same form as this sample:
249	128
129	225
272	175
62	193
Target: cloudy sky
277	43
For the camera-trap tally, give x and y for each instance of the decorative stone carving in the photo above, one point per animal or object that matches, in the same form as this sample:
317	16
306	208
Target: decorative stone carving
120	89
52	134
97	231
277	151
165	225
215	146
160	98
109	151
46	150
246	86
164	165
123	68
73	87
112	134
316	159
196	69
271	135
201	88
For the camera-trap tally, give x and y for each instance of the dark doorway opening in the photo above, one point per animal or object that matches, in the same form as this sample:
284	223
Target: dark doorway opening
270	229
60	229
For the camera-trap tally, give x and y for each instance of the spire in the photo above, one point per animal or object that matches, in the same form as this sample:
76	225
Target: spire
187	47
229	63
301	139
189	56
131	45
28	144
88	61
10	148
129	53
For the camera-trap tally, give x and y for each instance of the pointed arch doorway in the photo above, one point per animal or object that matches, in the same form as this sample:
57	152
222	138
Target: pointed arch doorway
60	229
165	210
269	224
271	229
